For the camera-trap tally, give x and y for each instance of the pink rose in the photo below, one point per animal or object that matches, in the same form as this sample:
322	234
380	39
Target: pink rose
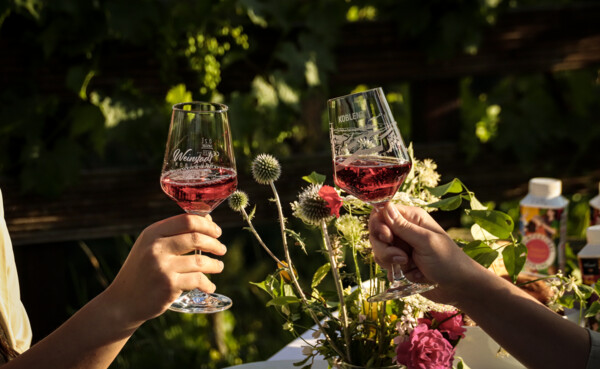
425	349
334	201
451	323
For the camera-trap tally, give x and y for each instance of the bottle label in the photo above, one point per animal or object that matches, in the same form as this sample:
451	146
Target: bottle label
590	270
543	231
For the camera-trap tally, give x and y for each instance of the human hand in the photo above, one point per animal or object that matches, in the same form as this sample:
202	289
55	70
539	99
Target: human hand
158	270
410	237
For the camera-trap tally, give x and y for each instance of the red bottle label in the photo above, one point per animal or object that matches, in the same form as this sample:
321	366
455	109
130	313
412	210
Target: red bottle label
543	231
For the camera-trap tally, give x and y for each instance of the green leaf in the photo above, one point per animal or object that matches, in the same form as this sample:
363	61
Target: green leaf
496	222
567	301
583	291
454	186
481	253
447	204
262	285
315	178
303	362
320	274
514	256
481	234
251	215
475	204
597	287
593	310
283	300
461	364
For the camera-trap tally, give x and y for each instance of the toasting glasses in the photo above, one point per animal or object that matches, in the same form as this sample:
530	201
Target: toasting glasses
199	173
370	162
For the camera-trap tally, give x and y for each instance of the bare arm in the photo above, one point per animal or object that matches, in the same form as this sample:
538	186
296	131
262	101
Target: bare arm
532	333
153	276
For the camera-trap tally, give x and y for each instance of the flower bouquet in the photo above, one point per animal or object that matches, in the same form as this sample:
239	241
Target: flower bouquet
350	332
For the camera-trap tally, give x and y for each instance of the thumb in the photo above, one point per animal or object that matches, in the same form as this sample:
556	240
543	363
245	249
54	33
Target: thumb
409	232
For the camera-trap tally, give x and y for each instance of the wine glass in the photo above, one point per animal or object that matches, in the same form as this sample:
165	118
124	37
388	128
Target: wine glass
199	173
370	162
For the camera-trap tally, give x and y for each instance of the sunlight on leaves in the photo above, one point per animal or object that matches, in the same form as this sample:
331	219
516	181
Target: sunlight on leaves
178	94
265	93
312	73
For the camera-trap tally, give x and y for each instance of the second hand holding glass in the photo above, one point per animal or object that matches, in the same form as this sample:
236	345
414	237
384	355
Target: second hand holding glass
370	162
199	173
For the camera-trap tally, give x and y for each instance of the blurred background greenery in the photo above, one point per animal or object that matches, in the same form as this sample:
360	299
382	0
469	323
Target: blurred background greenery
88	85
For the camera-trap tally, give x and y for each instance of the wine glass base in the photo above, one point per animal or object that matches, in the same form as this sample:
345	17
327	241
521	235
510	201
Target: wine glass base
198	302
401	289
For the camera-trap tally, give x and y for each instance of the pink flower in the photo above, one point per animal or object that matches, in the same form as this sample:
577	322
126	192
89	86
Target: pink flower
425	349
334	201
449	322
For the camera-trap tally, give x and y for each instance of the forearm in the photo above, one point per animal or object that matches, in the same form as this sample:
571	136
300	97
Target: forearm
528	330
90	339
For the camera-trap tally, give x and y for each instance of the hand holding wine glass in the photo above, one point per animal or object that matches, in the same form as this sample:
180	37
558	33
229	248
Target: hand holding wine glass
370	161
199	173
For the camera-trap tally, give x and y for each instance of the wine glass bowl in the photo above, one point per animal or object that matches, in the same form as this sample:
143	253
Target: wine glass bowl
370	161
199	173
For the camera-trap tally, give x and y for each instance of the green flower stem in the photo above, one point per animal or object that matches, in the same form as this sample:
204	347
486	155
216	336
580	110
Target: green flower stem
338	287
359	280
290	267
253	230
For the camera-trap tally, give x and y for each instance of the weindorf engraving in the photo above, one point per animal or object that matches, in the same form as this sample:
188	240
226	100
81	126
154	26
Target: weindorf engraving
204	157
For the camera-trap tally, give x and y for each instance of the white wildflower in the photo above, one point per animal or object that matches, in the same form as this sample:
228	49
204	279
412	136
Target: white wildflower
427	173
307	350
421	304
351	227
316	334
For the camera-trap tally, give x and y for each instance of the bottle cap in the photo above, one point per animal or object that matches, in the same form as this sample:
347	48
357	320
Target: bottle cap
593	235
545	187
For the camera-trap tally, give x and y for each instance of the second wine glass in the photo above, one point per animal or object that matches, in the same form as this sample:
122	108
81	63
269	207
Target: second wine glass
370	162
199	173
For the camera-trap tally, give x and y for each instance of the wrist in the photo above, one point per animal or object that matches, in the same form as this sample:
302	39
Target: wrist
118	312
470	282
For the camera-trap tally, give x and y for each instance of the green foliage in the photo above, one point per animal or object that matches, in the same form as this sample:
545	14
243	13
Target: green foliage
534	119
488	226
181	50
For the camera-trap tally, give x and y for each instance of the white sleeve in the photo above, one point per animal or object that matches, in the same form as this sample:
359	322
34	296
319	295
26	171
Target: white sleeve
13	316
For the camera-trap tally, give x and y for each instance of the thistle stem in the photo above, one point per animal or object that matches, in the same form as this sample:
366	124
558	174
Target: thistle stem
259	239
338	286
295	280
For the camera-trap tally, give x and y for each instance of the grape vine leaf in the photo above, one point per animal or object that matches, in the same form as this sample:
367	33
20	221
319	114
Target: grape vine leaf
495	222
481	253
514	256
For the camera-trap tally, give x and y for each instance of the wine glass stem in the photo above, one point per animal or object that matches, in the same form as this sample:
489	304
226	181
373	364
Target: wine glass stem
196	292
397	273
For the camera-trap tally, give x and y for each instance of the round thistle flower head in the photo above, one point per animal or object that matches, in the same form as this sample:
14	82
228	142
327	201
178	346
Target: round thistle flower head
238	200
265	169
311	208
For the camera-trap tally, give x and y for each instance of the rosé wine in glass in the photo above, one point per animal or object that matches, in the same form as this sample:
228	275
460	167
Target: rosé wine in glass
199	190
371	179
